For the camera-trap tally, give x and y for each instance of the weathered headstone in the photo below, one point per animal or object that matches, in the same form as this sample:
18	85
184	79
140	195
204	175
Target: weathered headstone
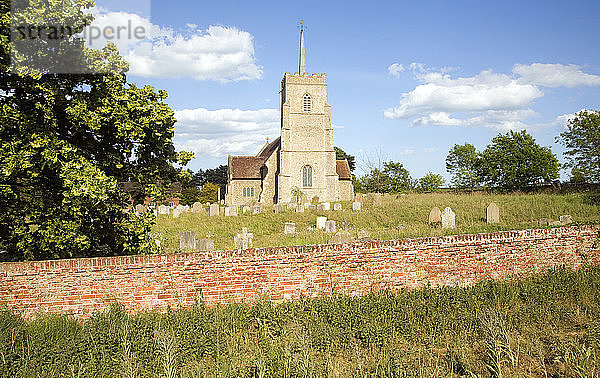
163	210
342	237
492	213
140	209
337	206
255	209
306	205
356	206
291	206
186	239
363	234
448	218
227	211
321	223
435	216
330	226
185	209
299	208
544	222
565	219
176	213
320	207
245	209
289	228
205	245
278	208
556	223
213	210
326	206
197	207
312	207
243	240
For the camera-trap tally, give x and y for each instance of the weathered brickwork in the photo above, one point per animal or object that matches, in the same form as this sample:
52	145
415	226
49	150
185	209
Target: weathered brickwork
82	286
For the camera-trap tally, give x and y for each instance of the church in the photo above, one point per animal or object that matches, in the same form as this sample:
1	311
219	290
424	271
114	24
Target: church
302	159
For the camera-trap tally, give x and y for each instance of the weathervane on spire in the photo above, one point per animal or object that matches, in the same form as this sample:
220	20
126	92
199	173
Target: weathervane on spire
302	64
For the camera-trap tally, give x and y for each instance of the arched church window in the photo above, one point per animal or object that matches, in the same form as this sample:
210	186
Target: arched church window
307	176
306	103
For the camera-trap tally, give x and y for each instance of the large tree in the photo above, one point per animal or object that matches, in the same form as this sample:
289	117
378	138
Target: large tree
66	140
463	163
582	140
393	178
342	155
515	161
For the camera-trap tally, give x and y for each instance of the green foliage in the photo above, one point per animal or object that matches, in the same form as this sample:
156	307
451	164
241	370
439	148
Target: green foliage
216	176
582	140
65	142
393	178
209	193
515	161
463	163
342	155
430	182
577	176
544	324
297	194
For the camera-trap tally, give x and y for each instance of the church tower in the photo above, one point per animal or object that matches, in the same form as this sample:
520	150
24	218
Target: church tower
307	156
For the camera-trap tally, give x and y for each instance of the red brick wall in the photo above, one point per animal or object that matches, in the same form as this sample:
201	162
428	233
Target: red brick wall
81	286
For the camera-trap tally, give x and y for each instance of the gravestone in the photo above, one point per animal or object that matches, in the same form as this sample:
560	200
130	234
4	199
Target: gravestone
435	216
278	208
185	209
213	210
306	205
358	198
356	206
320	207
187	239
255	209
326	206
291	206
245	209
163	210
448	218
330	226
321	223
205	245
233	210
377	199
140	209
555	223
363	234
492	213
243	240
289	228
342	237
176	213
337	206
544	222
312	207
227	211
299	208
197	207
565	219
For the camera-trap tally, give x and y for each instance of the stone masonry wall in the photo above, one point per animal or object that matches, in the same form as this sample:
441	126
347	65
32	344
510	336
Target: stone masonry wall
82	286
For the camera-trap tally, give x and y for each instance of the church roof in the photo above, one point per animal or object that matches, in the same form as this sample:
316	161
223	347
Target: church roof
343	170
248	167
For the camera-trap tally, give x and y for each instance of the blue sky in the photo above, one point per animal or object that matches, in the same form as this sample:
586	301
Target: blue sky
406	79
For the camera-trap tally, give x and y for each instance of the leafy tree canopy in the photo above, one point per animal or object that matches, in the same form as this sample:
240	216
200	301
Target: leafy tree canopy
430	181
341	155
66	140
393	178
582	140
217	176
463	163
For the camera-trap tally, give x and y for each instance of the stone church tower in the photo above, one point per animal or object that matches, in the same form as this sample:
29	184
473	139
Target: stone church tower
303	157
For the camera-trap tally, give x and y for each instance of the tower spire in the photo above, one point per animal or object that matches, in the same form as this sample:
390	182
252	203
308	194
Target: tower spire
302	65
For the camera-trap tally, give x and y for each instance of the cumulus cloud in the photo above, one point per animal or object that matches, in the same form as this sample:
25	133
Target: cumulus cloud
555	75
486	99
218	53
216	133
395	69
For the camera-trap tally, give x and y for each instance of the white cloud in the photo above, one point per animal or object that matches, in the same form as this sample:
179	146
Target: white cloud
406	152
395	69
487	99
555	75
216	133
218	53
429	150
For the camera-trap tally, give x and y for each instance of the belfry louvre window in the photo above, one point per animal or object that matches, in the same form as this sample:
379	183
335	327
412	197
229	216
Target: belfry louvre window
306	103
248	192
307	176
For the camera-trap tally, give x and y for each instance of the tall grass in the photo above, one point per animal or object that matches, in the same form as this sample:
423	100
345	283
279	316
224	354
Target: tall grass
403	217
547	325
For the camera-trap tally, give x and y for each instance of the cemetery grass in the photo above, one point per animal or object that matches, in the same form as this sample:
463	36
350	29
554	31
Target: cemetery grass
404	217
546	325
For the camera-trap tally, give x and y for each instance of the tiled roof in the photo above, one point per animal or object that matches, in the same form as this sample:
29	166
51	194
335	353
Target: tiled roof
248	167
343	170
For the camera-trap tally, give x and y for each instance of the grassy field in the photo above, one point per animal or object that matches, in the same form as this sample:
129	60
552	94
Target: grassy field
544	326
403	217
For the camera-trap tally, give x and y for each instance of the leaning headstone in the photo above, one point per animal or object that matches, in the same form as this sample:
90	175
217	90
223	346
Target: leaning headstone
337	206
330	226
243	240
176	213
435	216
255	209
187	239
139	208
197	207
448	218
163	210
289	228
299	208
356	206
565	219
326	206
492	213
205	245
342	237
213	210
321	222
